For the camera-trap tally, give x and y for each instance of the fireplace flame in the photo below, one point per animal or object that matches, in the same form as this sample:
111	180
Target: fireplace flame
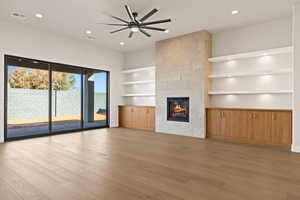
178	108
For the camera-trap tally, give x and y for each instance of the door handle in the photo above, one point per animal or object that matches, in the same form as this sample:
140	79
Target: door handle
254	115
274	116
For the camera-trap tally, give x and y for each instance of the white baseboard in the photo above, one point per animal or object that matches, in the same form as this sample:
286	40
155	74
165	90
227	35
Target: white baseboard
295	149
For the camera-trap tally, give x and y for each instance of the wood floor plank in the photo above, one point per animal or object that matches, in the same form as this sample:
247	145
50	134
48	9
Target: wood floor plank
130	164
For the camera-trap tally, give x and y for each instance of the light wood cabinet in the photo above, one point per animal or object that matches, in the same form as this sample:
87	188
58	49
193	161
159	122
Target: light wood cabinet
263	127
137	117
126	116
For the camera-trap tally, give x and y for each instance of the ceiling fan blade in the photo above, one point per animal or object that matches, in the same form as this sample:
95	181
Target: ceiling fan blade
119	30
129	12
118	18
149	14
153	28
113	24
145	33
155	22
130	34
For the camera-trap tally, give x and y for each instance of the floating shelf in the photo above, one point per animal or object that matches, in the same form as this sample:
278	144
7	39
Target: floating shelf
138	95
252	92
138	82
275	72
284	50
150	68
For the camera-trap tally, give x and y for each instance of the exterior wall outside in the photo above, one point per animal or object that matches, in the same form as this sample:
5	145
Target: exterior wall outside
32	104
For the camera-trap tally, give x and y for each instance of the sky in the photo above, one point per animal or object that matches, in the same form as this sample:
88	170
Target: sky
100	82
99	78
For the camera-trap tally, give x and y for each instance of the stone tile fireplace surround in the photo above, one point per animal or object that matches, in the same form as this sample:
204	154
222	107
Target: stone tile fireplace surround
181	71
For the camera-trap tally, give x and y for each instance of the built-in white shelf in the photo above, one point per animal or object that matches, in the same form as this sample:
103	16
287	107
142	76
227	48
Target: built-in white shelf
264	73
150	68
138	95
138	82
284	50
250	92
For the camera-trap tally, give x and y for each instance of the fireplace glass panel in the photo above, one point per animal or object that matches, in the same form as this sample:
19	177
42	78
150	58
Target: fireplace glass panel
178	109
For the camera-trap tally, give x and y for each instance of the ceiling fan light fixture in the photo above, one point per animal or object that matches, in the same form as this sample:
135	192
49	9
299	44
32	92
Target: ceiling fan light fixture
134	29
135	24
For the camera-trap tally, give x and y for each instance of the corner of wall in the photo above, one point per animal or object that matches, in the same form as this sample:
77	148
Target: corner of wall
295	149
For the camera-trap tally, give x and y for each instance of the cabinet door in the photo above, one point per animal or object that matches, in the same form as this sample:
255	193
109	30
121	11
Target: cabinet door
281	128
212	123
245	125
150	119
261	130
125	116
225	123
237	121
139	118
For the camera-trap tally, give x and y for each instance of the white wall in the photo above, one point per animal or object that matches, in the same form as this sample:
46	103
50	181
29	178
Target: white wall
268	35
140	58
261	65
296	111
24	41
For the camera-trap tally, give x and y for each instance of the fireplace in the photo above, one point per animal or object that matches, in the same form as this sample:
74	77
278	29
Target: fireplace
178	109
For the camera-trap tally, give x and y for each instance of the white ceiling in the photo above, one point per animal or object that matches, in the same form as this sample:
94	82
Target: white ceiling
73	17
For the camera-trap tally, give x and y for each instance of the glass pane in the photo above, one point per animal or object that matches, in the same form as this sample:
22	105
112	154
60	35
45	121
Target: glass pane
66	99
27	98
94	99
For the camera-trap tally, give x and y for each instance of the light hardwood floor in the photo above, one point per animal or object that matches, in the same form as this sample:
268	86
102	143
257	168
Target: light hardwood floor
113	164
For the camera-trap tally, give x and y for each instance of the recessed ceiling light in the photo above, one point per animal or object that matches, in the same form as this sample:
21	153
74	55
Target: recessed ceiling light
167	31
38	15
234	12
88	32
122	43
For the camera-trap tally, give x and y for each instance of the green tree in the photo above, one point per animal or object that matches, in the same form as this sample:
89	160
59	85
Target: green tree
38	79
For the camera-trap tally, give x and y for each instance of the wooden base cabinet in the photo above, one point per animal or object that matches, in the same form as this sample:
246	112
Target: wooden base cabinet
137	117
263	127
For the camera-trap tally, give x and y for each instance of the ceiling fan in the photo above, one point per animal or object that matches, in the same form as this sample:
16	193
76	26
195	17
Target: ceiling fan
138	25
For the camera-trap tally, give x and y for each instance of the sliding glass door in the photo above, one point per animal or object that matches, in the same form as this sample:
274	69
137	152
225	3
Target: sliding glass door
44	98
66	98
94	98
27	98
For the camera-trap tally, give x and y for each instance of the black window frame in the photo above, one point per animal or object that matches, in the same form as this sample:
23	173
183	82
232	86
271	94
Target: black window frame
50	133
